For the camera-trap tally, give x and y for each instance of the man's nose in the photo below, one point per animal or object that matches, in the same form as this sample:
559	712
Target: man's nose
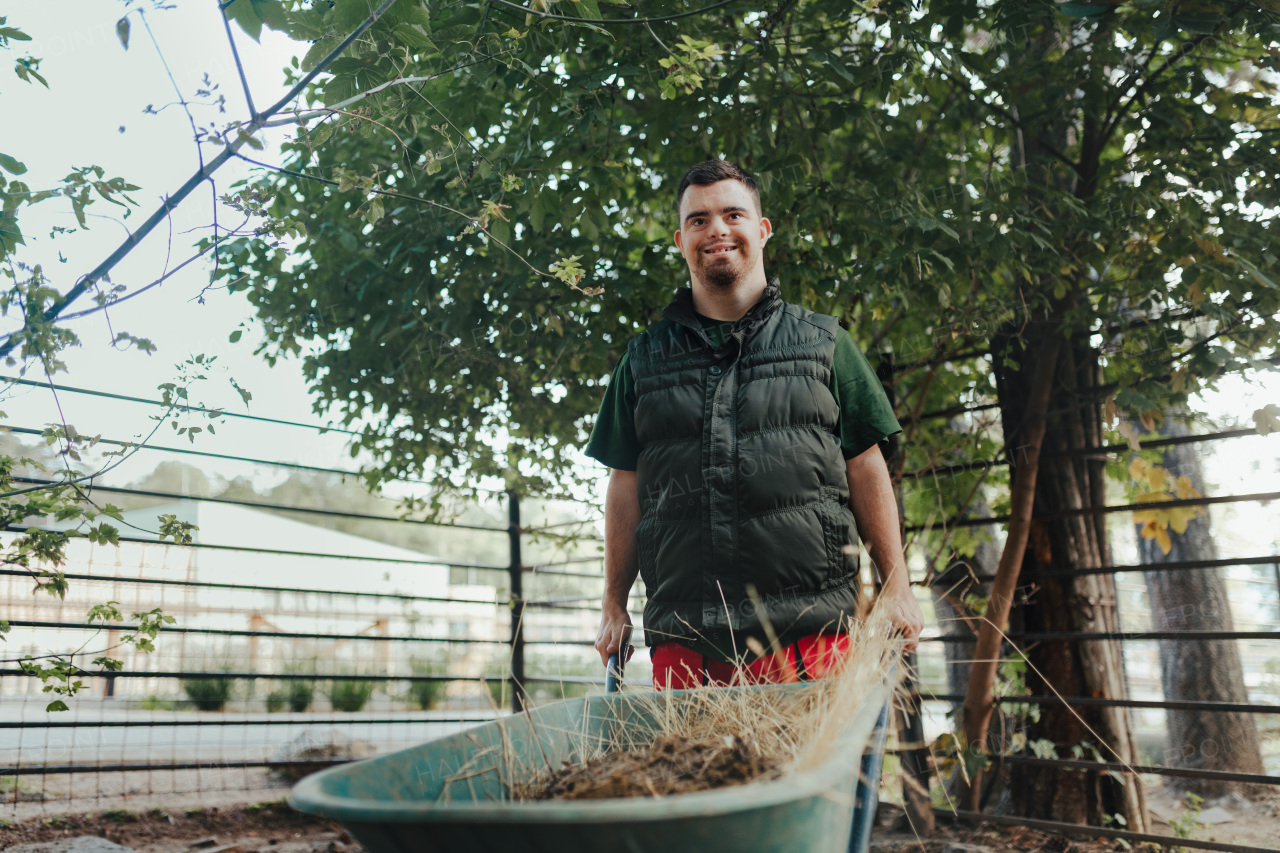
719	225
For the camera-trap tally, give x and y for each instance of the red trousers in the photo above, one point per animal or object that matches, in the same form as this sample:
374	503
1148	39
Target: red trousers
676	667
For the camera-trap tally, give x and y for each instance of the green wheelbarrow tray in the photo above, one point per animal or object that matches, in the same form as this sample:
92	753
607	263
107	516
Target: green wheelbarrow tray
449	794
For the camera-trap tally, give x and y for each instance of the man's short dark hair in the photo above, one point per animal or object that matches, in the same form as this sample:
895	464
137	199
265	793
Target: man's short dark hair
713	172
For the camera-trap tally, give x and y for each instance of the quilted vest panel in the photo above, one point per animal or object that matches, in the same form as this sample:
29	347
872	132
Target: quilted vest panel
741	480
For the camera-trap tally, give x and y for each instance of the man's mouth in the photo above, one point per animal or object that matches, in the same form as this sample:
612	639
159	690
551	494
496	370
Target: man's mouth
720	250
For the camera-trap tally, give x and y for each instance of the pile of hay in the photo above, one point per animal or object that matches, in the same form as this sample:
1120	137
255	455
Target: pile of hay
716	737
670	765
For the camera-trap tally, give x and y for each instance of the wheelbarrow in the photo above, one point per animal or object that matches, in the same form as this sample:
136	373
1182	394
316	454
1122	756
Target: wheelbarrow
451	794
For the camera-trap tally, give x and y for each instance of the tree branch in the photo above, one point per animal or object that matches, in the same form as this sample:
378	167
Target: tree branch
235	54
98	273
1120	110
979	699
605	21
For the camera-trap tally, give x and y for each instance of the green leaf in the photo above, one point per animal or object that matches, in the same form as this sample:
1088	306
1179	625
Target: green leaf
234	337
245	13
411	36
56	705
319	51
1257	274
12	166
122	31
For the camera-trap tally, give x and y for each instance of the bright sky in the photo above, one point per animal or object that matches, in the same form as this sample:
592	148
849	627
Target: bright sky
93	114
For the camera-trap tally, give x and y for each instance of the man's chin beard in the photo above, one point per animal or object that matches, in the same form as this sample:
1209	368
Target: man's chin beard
721	276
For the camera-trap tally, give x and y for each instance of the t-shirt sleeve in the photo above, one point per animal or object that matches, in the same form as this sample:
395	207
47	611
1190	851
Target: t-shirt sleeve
866	416
613	440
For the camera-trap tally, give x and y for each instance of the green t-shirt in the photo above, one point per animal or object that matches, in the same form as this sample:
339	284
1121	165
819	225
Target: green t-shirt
866	417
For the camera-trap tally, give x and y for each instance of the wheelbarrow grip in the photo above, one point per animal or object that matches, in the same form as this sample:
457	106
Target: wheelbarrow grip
613	674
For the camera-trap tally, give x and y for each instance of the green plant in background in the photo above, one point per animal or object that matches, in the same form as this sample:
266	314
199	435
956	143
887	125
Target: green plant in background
157	703
424	693
1118	821
301	692
499	692
348	695
208	694
276	700
1187	825
561	667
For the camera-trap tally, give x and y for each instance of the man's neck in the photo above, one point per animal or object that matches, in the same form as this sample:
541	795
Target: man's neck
728	305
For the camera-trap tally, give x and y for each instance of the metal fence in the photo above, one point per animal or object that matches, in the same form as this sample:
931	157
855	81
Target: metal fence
917	760
280	660
320	632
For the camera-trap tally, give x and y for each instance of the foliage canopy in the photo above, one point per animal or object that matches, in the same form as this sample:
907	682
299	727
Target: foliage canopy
935	175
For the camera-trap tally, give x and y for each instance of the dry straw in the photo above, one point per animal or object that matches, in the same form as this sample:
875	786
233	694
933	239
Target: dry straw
773	732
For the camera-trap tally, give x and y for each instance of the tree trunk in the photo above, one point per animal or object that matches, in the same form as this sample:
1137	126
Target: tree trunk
1196	600
949	588
1077	605
1029	433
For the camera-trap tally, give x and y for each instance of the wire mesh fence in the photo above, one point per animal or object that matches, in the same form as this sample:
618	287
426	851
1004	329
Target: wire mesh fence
296	646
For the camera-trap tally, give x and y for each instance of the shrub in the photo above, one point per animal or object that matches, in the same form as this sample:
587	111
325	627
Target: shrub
424	693
208	694
276	700
300	694
349	695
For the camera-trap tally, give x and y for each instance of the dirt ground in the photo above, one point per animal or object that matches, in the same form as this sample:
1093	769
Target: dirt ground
1251	822
951	838
275	828
256	828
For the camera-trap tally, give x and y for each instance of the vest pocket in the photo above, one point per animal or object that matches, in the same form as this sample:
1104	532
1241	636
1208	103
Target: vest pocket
839	530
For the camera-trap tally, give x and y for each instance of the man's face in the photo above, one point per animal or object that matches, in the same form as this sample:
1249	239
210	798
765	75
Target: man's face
721	234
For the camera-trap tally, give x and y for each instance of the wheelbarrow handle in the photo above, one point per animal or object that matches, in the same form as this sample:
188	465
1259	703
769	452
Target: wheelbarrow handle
613	674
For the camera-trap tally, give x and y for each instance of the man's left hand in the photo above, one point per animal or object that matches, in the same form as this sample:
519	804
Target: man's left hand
904	612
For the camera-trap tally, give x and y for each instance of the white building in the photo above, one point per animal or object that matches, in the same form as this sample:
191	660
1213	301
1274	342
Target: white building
346	603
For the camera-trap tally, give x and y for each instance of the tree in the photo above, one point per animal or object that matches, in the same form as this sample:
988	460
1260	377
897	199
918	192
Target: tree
1195	599
50	505
1077	191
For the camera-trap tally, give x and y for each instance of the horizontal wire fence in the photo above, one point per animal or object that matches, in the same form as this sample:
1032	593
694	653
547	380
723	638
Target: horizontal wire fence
1258	647
285	659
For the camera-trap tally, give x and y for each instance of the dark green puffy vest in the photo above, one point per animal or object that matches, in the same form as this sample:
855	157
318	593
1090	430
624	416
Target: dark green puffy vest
740	477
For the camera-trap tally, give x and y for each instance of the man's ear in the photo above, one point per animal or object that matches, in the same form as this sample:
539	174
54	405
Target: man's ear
679	241
766	228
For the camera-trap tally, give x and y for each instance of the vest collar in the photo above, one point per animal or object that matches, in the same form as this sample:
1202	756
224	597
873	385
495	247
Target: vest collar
681	312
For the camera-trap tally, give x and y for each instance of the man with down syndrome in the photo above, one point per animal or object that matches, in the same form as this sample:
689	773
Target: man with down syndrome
743	436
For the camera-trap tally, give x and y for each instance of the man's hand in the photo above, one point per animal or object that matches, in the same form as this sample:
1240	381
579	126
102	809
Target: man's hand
615	634
621	517
903	611
876	511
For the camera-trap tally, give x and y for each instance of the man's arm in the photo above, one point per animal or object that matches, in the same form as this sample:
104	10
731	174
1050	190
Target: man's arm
621	517
876	512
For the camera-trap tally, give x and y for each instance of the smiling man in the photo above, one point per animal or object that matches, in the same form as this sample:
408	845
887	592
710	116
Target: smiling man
743	434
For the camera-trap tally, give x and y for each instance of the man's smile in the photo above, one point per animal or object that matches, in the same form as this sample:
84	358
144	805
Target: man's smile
720	250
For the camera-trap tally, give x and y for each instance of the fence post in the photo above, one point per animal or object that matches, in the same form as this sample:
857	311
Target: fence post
912	751
1276	568
517	602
